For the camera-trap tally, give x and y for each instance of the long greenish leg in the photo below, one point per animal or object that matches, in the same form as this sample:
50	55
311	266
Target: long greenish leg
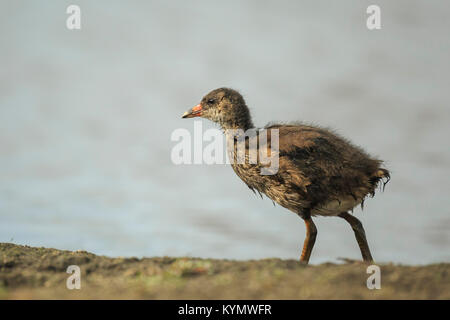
311	233
360	235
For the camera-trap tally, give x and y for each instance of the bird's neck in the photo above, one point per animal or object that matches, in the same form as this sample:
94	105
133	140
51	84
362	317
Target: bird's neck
244	122
244	125
238	126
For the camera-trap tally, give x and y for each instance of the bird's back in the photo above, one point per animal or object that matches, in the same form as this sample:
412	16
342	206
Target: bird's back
319	171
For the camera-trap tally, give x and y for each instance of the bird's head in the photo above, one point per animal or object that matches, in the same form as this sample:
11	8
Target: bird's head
224	106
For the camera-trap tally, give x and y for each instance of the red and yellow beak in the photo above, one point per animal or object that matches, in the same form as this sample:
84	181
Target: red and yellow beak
194	112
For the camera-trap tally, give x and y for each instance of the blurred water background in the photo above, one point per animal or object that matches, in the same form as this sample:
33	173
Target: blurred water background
86	118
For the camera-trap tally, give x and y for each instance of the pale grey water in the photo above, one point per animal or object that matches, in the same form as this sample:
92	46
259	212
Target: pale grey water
86	118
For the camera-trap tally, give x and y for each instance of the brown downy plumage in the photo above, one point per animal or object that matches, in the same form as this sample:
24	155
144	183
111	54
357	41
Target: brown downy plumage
319	172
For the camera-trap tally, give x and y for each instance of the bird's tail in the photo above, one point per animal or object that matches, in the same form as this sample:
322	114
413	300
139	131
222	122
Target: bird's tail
381	175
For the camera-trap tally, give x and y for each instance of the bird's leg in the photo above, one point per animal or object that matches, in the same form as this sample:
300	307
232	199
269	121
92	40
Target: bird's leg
311	232
359	234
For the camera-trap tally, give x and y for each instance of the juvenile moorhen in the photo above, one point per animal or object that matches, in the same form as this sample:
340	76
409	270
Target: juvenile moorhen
319	172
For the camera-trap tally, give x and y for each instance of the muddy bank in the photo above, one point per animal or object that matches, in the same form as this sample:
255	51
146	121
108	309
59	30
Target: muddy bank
40	273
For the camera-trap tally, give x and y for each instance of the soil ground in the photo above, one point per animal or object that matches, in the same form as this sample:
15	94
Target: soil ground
40	273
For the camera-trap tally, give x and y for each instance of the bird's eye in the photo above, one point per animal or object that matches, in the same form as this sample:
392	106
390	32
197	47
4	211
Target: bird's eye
211	101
